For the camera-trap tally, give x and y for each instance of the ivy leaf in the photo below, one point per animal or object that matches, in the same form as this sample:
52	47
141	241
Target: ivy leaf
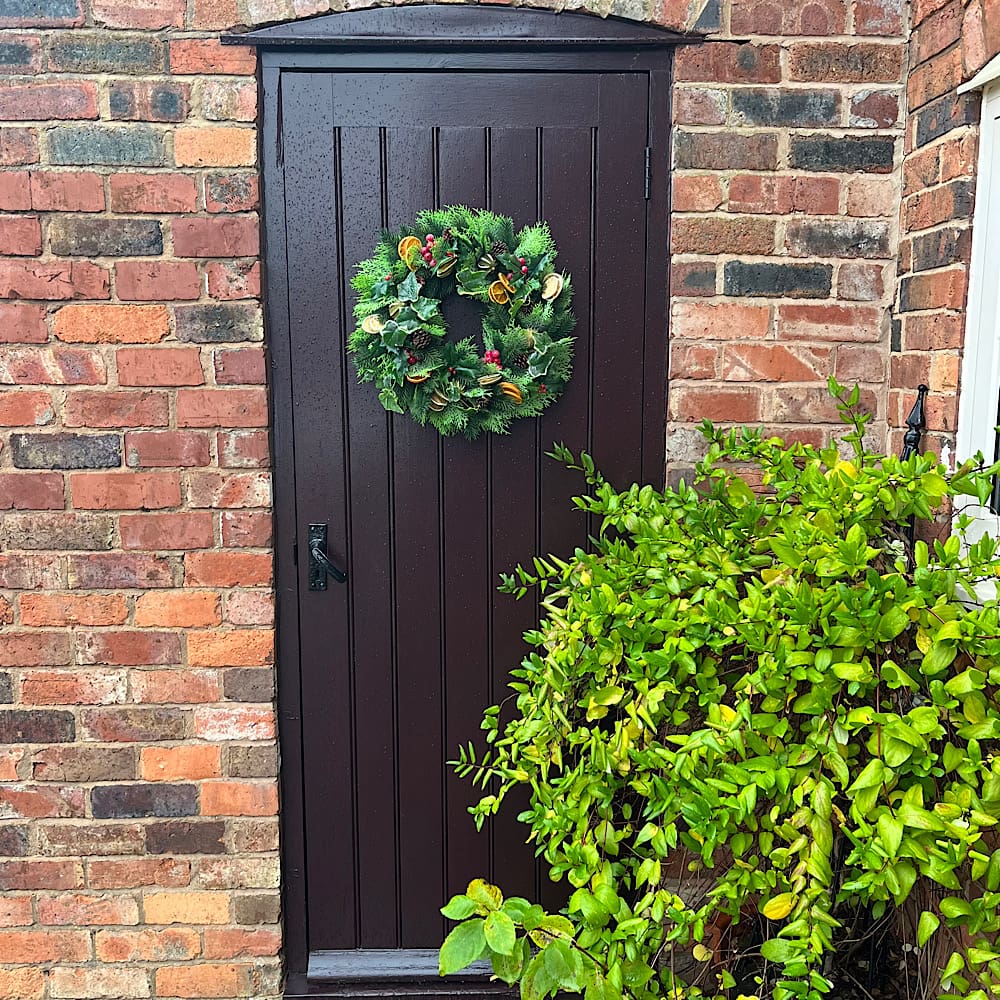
463	946
499	932
409	288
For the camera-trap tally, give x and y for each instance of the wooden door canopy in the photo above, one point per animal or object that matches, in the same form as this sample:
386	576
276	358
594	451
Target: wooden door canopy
465	27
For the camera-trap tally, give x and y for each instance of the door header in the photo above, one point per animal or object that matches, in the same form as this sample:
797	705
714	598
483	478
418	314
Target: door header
464	26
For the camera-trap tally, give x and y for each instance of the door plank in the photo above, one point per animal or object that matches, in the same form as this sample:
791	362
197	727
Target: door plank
417	532
315	300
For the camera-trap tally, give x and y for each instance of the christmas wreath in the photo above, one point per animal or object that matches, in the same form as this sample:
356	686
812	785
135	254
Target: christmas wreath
401	341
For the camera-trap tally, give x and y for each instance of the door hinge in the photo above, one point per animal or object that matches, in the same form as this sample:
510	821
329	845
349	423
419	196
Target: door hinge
648	179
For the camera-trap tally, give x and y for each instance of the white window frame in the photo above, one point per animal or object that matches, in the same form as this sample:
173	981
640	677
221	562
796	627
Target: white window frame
980	378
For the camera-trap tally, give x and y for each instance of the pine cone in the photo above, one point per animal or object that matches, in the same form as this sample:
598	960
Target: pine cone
520	360
421	339
499	247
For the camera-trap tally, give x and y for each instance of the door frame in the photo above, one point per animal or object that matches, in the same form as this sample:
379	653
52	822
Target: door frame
443	38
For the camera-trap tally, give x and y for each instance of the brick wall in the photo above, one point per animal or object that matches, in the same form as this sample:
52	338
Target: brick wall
138	792
949	43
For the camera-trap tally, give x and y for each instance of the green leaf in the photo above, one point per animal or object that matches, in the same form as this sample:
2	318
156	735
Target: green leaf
508	967
891	832
892	623
409	288
928	924
563	964
463	946
500	933
777	950
458	908
871	776
938	657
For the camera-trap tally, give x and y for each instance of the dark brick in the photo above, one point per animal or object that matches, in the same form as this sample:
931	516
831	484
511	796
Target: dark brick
13	841
725	151
148	101
84	764
134	146
101	54
66	451
6	692
57	531
186	838
711	16
134	725
248	684
798	108
815	152
21	726
251	762
40	12
19	57
941	248
945	114
806	281
841	238
693	279
134	801
100	237
258	908
217	324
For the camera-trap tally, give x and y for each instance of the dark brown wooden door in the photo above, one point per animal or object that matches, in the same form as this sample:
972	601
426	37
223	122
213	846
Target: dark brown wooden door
384	677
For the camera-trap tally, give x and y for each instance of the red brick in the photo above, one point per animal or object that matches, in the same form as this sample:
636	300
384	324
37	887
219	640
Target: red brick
227	569
789	17
73	609
687	360
719	403
228	99
31	491
124	490
831	62
116	409
937	32
958	156
860	363
25	409
66	191
943	289
202	980
940	204
166	449
88	908
167	531
243	450
937	332
100	981
243	722
111	324
233	192
252	529
30	572
135	872
18	146
233	279
222	408
119	570
181	609
41	801
728	62
218	14
144	14
136	725
860	282
15	911
700	106
872	197
174	687
214	489
143	648
714	235
692	278
250	607
243	366
20	236
30	279
230	942
38	946
935	78
784	195
30	649
225	236
696	193
159	366
725	321
73	687
184	763
830	322
222	146
21	323
775	363
22	984
231	648
152	100
15	191
44	101
153	193
157	280
238	798
51	366
159	945
211	57
878	17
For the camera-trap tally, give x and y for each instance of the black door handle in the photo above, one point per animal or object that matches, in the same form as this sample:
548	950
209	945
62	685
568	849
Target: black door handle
320	564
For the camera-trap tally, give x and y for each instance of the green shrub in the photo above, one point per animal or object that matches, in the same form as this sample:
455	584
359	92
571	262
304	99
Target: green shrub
772	690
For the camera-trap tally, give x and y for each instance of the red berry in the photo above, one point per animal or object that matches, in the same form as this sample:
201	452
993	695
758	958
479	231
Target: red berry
388	277
524	270
411	360
452	370
521	260
433	262
430	237
510	276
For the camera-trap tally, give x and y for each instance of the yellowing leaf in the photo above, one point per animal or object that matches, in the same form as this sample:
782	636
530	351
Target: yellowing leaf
727	713
701	953
778	907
